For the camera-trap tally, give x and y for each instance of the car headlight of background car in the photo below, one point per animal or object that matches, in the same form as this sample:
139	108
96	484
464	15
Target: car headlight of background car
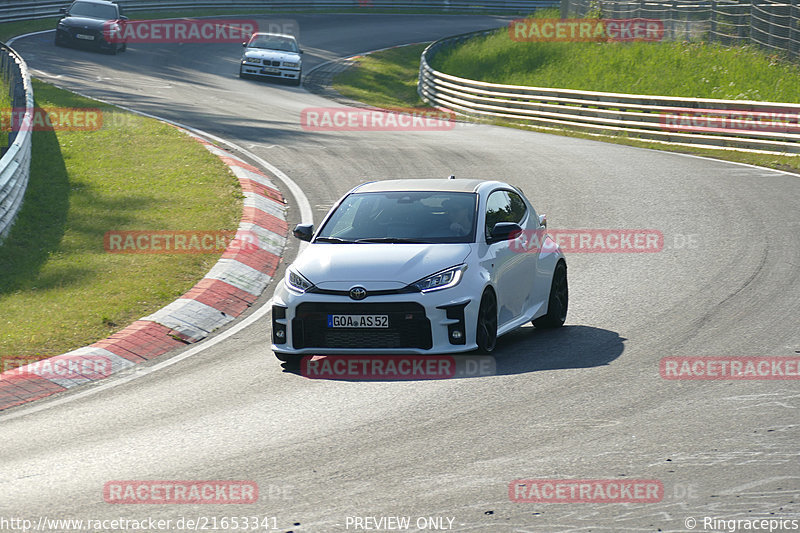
296	282
441	280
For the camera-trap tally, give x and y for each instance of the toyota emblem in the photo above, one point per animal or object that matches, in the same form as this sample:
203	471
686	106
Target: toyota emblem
358	293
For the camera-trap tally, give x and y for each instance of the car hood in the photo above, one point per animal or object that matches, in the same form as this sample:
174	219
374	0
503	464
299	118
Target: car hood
84	22
273	55
375	266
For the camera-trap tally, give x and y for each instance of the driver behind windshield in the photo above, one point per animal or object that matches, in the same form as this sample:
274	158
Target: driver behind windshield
284	45
459	211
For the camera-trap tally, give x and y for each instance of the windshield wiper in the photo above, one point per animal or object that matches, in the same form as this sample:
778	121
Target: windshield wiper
333	239
394	240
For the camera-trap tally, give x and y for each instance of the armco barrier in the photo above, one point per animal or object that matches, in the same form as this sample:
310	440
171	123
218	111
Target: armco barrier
15	165
640	116
11	10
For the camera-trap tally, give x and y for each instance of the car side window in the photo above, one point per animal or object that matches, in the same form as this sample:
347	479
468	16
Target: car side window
518	209
504	206
498	209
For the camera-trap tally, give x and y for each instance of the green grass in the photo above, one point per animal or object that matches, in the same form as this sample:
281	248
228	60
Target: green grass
5	104
387	78
60	290
383	79
12	29
698	70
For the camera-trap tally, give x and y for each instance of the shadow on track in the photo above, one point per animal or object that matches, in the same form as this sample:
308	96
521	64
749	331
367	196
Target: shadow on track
530	350
534	350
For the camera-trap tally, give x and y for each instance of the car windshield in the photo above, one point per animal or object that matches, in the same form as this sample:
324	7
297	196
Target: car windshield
402	217
272	42
94	11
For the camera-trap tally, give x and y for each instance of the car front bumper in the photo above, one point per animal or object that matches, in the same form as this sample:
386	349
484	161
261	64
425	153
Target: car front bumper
253	69
419	323
89	38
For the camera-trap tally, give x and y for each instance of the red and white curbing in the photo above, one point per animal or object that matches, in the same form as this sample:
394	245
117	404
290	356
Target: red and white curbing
229	288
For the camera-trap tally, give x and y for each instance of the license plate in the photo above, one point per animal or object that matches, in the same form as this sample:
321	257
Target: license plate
84	37
270	71
358	321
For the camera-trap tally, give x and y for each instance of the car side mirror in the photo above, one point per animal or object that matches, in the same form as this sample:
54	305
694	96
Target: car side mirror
304	232
543	221
63	10
302	51
244	44
123	18
505	231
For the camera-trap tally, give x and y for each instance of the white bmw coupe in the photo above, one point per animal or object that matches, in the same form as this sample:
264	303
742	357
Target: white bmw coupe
272	55
419	266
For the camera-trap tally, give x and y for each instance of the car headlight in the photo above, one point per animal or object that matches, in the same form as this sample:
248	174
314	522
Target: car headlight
295	281
441	280
111	31
255	60
290	64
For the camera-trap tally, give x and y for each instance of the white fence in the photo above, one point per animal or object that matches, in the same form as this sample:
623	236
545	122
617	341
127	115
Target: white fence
728	124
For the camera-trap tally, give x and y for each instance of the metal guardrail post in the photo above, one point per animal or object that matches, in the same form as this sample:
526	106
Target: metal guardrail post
792	37
713	18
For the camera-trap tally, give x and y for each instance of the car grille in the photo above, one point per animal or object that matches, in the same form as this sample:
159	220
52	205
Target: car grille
408	326
75	31
269	63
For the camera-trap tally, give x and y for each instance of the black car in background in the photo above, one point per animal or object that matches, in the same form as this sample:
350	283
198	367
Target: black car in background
84	22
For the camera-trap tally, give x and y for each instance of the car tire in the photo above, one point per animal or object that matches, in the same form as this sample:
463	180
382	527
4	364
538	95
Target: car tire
124	47
289	359
298	81
486	327
58	41
558	301
242	74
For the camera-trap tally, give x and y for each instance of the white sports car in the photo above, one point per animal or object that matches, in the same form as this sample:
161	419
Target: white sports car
419	266
272	55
